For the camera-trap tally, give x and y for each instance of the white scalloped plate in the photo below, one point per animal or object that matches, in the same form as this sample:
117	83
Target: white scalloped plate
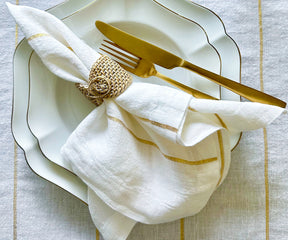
49	170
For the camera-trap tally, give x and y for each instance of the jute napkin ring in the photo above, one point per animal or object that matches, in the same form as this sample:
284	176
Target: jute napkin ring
107	79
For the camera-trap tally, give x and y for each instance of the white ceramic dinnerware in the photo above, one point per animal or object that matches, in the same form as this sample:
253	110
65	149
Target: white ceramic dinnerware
56	107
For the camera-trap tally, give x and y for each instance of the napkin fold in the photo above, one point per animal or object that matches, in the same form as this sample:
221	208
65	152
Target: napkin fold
153	154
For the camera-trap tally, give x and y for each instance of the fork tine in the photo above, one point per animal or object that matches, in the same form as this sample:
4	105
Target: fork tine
117	46
134	59
129	69
120	58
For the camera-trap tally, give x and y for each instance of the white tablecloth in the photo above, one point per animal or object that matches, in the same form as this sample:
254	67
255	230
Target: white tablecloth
251	203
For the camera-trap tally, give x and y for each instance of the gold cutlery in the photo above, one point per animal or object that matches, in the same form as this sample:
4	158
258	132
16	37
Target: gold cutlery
161	57
143	68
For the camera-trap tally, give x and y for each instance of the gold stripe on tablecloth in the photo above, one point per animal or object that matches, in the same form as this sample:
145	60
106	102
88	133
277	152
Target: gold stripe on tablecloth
15	192
264	130
97	234
182	231
15	163
267	200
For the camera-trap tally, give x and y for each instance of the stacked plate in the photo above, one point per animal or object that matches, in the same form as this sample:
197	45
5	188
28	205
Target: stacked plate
47	109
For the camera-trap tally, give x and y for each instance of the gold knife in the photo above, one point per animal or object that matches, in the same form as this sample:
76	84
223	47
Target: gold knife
168	60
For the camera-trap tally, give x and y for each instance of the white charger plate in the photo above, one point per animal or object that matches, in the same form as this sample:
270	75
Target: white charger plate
54	173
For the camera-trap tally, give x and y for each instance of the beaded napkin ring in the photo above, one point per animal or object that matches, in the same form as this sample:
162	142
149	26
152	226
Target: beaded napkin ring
107	79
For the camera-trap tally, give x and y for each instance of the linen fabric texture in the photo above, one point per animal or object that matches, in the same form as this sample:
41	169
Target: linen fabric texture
152	155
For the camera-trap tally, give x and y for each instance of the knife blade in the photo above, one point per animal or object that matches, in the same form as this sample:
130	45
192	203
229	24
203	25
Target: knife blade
143	49
161	57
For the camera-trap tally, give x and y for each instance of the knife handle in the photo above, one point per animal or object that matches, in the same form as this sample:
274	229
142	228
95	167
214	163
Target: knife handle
195	93
244	91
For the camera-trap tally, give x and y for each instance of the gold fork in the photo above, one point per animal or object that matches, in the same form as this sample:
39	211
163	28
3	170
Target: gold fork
143	68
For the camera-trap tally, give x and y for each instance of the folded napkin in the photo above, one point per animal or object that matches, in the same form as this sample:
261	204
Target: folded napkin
152	154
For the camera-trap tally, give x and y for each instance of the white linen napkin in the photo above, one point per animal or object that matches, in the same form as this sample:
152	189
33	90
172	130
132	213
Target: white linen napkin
152	155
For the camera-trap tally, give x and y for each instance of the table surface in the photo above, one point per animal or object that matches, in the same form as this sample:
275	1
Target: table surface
250	204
